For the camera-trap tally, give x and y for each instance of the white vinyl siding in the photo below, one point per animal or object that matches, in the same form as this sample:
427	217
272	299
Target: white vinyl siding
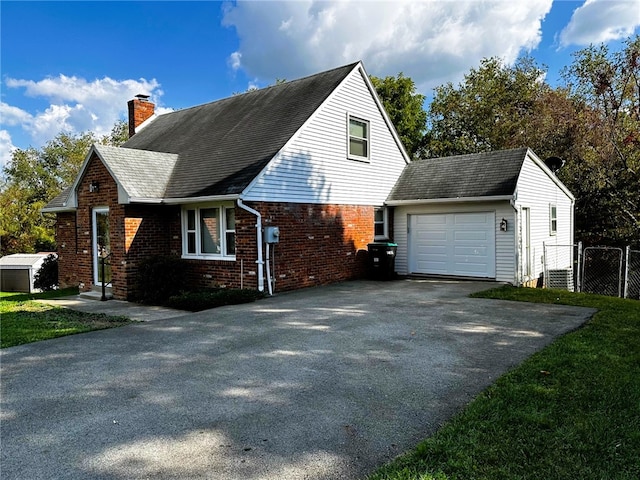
504	241
537	191
314	166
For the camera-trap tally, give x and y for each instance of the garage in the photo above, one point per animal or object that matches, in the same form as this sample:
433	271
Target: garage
458	244
17	271
485	215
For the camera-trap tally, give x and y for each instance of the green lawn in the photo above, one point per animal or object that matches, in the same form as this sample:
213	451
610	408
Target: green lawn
23	320
571	411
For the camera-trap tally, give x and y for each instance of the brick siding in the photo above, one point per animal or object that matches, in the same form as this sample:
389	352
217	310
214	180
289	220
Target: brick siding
66	249
319	244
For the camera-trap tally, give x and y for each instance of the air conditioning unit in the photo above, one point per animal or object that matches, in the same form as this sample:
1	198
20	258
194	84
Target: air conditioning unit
560	279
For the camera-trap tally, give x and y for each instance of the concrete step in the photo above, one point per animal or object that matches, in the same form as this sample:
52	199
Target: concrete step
96	293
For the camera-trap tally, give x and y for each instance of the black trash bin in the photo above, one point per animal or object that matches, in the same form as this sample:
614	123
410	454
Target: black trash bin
382	260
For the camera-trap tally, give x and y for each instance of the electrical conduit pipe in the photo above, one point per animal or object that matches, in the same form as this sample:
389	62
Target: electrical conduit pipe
259	261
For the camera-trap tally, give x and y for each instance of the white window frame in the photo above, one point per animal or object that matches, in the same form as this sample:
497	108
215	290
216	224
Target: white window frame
553	219
385	223
366	139
222	226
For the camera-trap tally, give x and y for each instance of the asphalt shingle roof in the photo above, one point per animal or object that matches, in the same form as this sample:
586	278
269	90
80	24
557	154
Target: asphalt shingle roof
461	176
59	202
222	146
143	174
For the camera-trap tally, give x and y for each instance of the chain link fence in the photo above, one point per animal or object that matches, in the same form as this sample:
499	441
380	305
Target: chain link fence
601	270
632	274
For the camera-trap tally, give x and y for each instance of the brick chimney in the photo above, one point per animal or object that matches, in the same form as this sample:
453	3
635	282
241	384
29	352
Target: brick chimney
140	109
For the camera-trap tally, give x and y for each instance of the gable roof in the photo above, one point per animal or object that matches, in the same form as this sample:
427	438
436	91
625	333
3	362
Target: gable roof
223	145
211	150
140	174
490	174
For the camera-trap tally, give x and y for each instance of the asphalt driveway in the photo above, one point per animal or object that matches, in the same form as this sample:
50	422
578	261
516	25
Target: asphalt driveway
323	383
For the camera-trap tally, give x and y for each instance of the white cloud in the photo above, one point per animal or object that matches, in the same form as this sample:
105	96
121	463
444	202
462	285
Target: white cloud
75	104
600	21
6	148
13	115
235	60
430	41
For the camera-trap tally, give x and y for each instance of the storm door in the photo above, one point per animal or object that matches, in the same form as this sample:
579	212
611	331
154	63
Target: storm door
101	247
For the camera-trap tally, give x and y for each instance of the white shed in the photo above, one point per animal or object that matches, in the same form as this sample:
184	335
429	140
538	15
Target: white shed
485	215
17	271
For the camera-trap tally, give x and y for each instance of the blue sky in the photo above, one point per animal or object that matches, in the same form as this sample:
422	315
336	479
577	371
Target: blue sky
72	66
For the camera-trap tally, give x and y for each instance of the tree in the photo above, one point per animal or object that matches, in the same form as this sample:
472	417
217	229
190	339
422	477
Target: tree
405	109
118	135
489	110
604	168
592	122
35	176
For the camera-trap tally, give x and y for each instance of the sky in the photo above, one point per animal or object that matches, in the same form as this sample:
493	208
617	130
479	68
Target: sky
72	66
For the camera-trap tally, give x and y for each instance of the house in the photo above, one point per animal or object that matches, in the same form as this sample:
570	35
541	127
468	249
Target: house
18	271
485	215
277	188
285	187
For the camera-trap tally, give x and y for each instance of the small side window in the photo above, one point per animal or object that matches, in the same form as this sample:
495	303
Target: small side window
381	231
553	220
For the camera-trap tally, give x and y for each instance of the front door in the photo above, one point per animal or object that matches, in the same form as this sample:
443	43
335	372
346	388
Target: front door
101	247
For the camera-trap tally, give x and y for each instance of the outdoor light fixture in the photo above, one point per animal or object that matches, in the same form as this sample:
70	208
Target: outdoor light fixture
94	186
503	225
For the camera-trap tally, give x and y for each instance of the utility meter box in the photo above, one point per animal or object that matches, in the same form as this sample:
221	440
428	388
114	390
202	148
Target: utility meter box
271	234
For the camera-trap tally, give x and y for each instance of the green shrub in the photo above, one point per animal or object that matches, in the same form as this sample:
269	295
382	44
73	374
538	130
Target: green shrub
46	278
205	299
158	278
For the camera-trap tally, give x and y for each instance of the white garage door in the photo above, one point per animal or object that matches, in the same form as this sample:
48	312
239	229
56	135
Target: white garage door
459	244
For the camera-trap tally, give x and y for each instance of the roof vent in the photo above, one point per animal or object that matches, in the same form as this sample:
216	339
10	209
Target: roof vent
554	163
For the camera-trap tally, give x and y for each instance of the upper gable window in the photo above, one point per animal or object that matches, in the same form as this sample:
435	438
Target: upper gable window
359	137
209	232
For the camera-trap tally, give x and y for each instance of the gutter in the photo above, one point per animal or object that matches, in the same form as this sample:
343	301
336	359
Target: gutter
260	260
422	201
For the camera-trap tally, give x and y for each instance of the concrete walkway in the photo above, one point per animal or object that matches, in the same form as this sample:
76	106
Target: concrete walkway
324	383
134	311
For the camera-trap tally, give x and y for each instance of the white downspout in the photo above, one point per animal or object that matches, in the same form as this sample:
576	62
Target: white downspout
259	261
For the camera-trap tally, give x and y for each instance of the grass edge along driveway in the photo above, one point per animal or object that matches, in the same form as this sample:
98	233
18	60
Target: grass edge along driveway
570	411
24	320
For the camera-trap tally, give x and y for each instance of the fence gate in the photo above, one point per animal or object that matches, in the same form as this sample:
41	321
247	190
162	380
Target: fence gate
602	271
632	274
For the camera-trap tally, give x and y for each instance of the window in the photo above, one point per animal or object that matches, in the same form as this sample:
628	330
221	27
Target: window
553	220
380	224
358	138
209	232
